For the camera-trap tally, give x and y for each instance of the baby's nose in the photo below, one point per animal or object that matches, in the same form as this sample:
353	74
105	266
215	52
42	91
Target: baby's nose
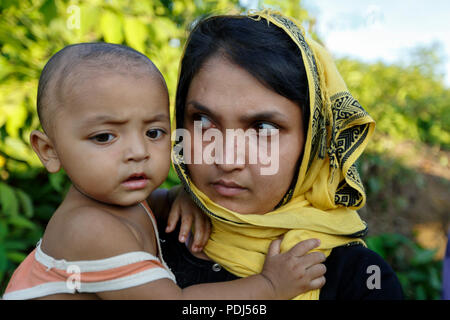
137	150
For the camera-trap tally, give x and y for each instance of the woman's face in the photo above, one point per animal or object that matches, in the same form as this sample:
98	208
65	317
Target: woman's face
225	96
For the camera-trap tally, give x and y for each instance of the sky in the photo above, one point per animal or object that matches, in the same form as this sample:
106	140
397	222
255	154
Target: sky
386	30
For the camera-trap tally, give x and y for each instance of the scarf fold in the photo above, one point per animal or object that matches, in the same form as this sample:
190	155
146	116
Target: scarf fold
328	190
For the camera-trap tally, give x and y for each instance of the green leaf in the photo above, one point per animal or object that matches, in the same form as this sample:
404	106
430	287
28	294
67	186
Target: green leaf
423	256
376	244
16	119
8	199
16	256
421	293
435	280
3	230
49	10
26	203
111	27
135	33
89	18
22	222
3	259
15	245
57	180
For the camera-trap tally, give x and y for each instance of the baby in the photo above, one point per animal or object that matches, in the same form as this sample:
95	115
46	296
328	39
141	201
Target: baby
104	110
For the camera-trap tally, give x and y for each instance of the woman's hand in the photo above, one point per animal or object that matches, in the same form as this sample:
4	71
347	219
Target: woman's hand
191	215
295	271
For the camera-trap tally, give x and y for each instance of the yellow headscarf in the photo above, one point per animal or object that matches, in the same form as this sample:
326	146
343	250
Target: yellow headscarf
328	190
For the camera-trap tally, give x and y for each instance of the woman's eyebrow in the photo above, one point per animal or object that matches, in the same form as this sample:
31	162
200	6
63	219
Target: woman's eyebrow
200	107
264	115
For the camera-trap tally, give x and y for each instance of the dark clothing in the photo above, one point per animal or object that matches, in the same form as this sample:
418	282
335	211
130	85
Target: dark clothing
348	277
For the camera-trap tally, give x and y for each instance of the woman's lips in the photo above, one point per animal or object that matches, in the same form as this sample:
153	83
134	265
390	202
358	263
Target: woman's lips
228	189
136	181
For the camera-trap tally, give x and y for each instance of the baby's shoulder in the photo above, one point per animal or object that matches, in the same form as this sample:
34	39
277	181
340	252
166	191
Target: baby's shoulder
89	233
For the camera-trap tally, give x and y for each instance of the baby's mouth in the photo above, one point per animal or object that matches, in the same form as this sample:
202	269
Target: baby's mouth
136	181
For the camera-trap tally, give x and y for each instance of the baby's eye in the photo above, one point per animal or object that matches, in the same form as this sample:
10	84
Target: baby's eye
206	123
103	137
266	129
154	134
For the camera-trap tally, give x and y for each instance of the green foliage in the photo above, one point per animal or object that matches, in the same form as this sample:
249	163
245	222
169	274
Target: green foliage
382	175
417	270
408	102
27	203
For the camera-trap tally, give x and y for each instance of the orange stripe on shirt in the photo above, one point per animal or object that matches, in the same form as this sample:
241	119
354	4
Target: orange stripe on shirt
31	273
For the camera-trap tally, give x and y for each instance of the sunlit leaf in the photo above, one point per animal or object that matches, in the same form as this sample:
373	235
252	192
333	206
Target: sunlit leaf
3	259
111	26
49	10
16	256
25	203
21	222
8	199
135	33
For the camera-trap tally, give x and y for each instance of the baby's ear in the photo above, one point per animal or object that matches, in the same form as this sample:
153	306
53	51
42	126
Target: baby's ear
45	150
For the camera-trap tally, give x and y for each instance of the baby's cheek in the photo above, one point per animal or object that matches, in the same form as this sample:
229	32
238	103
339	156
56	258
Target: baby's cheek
160	166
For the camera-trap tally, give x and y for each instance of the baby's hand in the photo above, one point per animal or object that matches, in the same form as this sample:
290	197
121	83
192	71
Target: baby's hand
295	271
190	215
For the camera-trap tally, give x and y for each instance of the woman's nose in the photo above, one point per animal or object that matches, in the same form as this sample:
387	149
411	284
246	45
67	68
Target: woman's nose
234	155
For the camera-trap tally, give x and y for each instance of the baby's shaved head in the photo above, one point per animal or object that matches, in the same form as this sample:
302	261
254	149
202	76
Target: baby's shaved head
78	62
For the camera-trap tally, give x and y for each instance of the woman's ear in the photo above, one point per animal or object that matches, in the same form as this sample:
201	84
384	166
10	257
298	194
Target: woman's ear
45	150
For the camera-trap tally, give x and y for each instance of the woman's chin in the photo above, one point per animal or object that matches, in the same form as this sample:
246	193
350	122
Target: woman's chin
241	206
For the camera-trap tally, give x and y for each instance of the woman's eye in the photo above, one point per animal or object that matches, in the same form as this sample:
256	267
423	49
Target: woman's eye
205	122
266	129
103	137
154	133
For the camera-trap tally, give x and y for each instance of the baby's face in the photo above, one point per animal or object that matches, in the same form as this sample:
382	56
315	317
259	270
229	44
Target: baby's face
112	137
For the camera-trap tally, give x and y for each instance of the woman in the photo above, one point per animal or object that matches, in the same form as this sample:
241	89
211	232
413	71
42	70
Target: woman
259	72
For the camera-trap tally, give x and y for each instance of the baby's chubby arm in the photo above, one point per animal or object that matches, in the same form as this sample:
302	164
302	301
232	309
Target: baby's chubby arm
93	234
174	205
284	276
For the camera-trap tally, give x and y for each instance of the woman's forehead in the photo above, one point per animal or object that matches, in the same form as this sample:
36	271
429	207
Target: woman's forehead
223	87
